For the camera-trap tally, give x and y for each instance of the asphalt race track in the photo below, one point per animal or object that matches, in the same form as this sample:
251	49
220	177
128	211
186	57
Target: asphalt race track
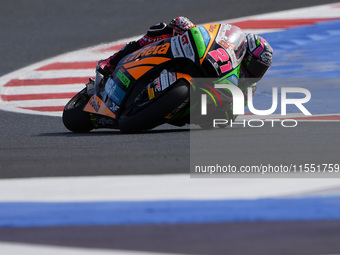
40	146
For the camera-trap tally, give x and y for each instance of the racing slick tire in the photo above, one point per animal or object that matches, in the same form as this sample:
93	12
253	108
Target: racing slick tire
154	114
74	118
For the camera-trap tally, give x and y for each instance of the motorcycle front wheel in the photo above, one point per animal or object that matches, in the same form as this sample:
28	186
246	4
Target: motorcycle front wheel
74	118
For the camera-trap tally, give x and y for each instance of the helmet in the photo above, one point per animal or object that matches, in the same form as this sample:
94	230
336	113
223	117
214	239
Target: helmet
180	25
258	57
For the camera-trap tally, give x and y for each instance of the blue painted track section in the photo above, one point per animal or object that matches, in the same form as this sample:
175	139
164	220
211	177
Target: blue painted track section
167	212
306	52
305	57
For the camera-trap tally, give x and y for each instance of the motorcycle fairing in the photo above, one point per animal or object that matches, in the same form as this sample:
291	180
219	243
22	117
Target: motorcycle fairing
165	80
107	101
113	95
204	38
96	105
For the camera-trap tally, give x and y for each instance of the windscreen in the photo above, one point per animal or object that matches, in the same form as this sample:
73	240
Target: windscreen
234	41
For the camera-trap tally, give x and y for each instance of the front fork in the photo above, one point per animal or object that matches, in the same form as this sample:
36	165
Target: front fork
96	85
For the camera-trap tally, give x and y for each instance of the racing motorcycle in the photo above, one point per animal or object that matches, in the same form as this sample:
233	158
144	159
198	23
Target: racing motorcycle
152	86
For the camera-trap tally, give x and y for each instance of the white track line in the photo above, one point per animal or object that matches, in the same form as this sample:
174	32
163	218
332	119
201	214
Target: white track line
156	187
43	89
7	248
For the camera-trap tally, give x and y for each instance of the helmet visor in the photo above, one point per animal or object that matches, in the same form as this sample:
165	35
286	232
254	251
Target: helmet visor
255	67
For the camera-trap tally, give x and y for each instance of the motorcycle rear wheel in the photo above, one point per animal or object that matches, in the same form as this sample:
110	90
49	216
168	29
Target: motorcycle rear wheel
153	115
74	118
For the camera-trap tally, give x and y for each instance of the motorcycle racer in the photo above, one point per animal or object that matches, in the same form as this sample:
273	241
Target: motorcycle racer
256	61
